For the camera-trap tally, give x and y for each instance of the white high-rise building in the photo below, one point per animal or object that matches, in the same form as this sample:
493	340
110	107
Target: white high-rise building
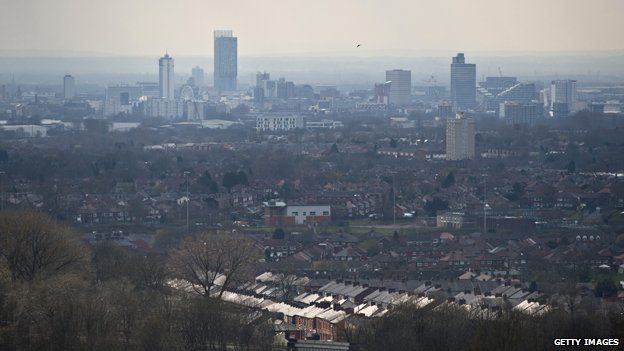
69	87
563	94
460	138
400	91
166	77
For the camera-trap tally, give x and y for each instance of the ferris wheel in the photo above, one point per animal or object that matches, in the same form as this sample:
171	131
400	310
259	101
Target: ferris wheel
186	93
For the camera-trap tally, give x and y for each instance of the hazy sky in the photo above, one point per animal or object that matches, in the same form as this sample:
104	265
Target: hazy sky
266	27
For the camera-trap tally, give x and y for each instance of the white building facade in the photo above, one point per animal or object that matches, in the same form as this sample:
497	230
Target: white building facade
279	123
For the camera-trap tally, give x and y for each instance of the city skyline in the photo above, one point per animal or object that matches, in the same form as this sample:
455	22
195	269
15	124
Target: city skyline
112	27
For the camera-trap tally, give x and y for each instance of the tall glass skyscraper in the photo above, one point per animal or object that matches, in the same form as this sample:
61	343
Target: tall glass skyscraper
165	77
69	87
463	83
225	60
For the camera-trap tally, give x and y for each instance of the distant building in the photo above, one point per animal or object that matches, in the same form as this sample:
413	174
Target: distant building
166	77
164	108
324	124
328	91
445	110
149	89
258	94
563	92
199	76
261	77
285	89
515	113
402	122
451	220
495	85
225	60
559	110
381	92
277	213
460	138
269	88
463	83
521	92
400	91
279	123
597	107
69	87
119	99
304	91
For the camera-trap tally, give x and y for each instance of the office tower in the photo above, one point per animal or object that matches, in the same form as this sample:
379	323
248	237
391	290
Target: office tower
165	77
463	83
225	60
400	91
270	88
69	87
381	92
285	89
516	113
198	76
261	77
460	138
563	92
259	92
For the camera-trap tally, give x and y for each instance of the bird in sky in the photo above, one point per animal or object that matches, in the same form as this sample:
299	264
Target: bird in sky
358	45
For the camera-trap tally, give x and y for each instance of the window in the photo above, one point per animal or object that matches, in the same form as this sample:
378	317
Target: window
312	213
295	213
304	213
325	213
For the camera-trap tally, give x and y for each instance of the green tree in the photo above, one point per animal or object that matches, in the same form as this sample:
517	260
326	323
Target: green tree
279	234
449	180
241	178
207	183
436	204
605	288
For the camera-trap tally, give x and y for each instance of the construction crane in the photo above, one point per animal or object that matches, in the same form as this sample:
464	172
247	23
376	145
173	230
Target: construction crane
431	79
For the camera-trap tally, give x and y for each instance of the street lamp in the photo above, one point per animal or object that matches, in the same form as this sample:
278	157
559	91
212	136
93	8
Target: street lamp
188	199
2	173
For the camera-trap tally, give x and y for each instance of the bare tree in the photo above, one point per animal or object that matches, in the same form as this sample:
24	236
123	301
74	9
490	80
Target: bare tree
34	244
210	260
